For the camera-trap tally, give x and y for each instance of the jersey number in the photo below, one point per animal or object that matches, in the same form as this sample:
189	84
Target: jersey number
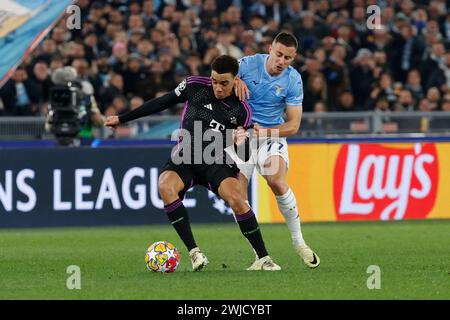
270	143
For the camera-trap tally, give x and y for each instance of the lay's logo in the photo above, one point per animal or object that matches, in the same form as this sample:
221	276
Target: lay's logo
375	182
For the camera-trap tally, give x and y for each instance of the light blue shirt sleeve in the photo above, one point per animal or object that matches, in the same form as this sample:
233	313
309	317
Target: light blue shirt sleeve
243	66
295	91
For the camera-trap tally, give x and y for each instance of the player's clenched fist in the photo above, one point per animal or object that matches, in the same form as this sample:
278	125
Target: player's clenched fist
112	121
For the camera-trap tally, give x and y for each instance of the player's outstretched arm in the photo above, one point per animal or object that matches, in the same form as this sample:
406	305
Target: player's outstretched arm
148	108
289	128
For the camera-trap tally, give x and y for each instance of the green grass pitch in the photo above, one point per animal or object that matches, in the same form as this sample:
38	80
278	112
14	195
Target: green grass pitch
413	256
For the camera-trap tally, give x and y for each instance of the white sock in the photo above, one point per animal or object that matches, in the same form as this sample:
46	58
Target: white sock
288	207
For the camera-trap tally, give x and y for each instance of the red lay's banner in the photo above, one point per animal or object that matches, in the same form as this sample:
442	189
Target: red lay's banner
363	181
379	182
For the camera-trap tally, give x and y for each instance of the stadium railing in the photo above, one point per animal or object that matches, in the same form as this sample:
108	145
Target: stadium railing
312	125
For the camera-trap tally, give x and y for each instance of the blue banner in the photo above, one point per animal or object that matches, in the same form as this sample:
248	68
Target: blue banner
23	24
92	186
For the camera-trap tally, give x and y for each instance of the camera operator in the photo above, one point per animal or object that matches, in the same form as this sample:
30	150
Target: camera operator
73	111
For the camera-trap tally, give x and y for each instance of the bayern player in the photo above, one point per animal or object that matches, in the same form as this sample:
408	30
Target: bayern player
273	88
211	108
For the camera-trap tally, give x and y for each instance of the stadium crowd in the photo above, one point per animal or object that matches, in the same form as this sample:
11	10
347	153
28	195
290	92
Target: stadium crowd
135	50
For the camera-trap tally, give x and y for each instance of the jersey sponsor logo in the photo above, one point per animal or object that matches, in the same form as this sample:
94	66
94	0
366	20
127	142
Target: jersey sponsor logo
216	126
382	183
208	106
278	90
180	87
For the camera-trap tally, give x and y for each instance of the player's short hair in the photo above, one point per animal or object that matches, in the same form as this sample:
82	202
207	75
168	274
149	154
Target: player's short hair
225	64
287	39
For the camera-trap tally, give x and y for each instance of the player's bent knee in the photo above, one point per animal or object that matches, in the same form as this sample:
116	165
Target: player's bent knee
278	186
167	187
238	203
230	191
167	191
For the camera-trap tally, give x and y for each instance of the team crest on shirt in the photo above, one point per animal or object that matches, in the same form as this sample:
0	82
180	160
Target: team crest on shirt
278	90
233	120
180	87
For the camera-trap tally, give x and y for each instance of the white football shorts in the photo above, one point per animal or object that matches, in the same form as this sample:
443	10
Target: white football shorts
261	150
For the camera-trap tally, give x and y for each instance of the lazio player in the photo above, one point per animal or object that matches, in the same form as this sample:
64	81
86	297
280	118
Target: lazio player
273	88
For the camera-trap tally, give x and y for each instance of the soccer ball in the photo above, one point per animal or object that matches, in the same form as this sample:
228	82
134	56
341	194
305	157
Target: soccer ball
162	256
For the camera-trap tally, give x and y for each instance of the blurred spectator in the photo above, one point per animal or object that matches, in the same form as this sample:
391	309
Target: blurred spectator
424	105
271	9
133	74
387	18
434	58
346	37
41	79
345	101
155	82
233	16
226	46
49	49
101	73
385	89
434	98
311	66
114	88
382	105
185	31
91	47
445	27
442	123
320	7
138	49
384	122
320	107
119	58
193	64
309	32
137	127
405	101
405	50
148	14
20	95
359	22
379	40
118	105
445	102
59	36
315	91
56	62
209	13
336	73
440	77
380	59
210	55
362	77
292	11
413	84
258	25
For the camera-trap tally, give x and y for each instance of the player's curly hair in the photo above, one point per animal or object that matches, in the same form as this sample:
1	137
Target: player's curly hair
225	64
